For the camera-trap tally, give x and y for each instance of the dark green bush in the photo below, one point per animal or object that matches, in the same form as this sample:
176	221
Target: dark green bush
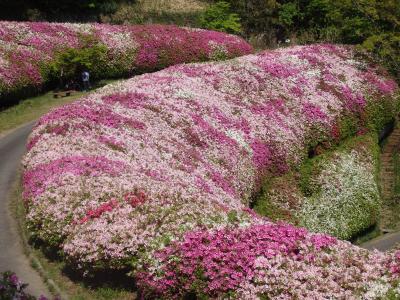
386	47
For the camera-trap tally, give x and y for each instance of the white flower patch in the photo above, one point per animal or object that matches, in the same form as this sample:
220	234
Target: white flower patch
377	289
218	51
185	94
85	28
348	200
238	137
358	64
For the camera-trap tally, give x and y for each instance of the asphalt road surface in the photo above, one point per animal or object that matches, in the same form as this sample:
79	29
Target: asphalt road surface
383	243
12	147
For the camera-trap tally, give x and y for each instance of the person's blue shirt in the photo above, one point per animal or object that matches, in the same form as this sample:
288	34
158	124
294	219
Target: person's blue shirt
85	76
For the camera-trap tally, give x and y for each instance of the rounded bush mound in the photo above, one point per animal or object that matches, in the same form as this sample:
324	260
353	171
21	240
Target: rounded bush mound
31	52
140	173
336	192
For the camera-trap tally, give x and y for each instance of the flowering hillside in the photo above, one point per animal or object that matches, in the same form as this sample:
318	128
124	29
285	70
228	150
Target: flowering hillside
156	174
28	48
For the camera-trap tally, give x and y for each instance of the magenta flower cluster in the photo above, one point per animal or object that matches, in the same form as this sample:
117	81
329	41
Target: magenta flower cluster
226	258
26	48
35	181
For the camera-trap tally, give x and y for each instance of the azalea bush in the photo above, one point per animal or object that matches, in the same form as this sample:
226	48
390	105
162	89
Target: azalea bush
335	192
34	54
11	287
156	174
269	261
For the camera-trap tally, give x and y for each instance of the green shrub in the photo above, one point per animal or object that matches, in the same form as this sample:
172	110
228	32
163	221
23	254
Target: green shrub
343	197
68	63
372	24
220	17
386	48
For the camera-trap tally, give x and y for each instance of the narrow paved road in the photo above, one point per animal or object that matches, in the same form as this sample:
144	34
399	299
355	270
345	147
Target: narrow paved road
12	147
383	243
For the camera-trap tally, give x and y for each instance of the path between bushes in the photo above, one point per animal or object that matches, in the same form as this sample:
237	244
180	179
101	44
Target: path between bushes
12	257
387	177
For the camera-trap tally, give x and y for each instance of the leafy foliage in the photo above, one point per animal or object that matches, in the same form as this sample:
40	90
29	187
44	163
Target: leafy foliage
386	47
220	17
70	62
335	192
372	24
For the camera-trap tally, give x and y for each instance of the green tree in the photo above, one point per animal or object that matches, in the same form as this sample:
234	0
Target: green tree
70	62
220	17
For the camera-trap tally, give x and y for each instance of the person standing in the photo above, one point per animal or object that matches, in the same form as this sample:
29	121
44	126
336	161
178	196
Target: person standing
85	80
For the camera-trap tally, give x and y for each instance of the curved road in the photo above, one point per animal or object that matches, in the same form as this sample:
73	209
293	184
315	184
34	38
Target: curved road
383	243
12	257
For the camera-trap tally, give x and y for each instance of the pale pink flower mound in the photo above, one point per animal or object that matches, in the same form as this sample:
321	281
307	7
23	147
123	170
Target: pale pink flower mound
28	48
155	174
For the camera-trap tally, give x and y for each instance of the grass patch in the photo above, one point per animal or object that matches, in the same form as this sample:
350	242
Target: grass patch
32	108
106	286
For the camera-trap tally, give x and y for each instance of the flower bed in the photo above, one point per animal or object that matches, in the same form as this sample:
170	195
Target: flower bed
173	158
28	49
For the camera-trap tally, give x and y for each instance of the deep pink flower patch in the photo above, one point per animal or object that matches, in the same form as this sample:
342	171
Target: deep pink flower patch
97	115
222	182
32	142
135	198
112	142
128	100
261	154
37	179
276	69
212	132
386	87
314	113
353	101
226	258
97	212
